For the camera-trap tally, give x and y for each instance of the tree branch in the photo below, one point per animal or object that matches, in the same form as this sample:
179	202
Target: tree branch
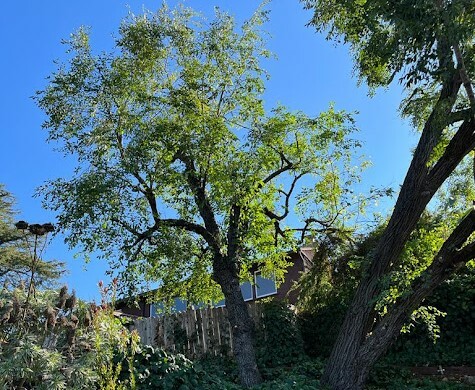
416	190
278	172
204	206
451	256
459	146
191	227
458	116
6	240
288	195
326	228
464	75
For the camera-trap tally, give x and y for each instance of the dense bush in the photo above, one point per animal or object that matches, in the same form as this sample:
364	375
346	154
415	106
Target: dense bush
394	378
304	374
452	344
220	374
319	328
455	345
51	340
156	369
279	341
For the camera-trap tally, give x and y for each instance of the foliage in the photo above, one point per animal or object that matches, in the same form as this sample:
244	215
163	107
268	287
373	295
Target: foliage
219	374
419	251
177	100
430	46
27	334
222	374
278	337
57	342
394	378
16	250
326	291
115	346
303	375
403	37
335	272
455	344
319	328
182	176
156	369
455	331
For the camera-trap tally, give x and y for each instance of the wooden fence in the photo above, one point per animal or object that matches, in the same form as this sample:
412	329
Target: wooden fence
194	332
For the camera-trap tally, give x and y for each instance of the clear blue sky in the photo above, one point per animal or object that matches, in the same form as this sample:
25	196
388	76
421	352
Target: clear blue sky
308	74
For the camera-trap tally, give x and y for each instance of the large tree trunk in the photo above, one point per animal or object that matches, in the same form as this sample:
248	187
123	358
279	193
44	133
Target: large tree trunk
349	368
225	273
357	348
241	323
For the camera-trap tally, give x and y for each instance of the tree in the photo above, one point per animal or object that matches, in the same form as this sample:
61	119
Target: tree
182	176
429	45
17	260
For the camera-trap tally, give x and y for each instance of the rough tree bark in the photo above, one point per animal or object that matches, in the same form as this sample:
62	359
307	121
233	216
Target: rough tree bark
363	338
225	274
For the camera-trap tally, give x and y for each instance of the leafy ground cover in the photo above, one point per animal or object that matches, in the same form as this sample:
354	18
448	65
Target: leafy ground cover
217	374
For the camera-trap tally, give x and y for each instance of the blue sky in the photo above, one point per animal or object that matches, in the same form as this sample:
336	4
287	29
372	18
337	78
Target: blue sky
308	74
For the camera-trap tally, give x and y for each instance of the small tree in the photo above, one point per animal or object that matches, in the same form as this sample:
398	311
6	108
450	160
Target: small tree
183	177
20	250
429	44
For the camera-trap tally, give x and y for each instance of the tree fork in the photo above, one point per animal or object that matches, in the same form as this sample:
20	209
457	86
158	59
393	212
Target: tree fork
345	370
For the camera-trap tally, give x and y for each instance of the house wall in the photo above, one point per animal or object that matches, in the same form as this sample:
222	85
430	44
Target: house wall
293	274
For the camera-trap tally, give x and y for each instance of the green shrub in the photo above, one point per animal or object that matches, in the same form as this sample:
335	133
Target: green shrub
304	375
320	328
54	341
384	377
157	369
456	342
154	368
279	341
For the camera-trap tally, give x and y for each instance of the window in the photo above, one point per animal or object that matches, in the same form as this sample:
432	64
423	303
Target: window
180	305
220	303
246	291
157	309
264	286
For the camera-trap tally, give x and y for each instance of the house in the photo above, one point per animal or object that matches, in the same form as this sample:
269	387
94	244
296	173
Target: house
262	287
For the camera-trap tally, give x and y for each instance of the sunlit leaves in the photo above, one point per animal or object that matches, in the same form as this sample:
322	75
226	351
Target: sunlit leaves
418	254
174	118
396	38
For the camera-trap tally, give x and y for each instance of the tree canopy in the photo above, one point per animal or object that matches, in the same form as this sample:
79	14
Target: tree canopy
184	177
175	148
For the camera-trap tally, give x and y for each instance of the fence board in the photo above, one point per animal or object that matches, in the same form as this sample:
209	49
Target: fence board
207	331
